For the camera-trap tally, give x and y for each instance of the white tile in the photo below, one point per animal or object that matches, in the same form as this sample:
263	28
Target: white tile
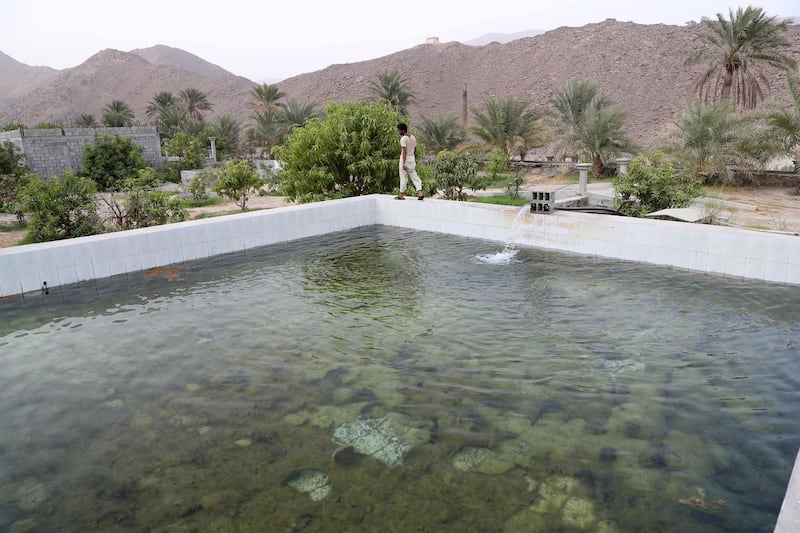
775	271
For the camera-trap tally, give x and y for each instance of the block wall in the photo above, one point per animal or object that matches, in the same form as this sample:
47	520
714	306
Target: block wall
51	152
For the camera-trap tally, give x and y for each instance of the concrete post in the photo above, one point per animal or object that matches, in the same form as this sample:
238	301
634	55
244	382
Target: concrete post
583	177
213	141
622	165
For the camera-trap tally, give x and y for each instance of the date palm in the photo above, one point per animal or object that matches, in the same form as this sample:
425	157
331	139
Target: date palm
441	132
86	121
117	114
783	123
266	96
393	88
160	103
508	125
226	129
194	102
296	113
740	47
590	122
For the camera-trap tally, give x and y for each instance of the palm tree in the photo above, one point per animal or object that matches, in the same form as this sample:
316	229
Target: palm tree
710	140
508	125
226	129
571	103
267	131
170	121
393	88
296	113
194	101
590	122
160	103
86	121
739	48
783	123
266	96
441	132
601	135
117	114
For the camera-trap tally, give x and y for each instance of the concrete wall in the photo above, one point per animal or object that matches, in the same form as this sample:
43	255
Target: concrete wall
51	152
711	249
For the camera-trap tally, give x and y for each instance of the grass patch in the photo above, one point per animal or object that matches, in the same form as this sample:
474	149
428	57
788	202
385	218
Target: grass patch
501	199
7	228
189	203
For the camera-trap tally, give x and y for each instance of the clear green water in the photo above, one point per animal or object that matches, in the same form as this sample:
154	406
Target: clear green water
600	395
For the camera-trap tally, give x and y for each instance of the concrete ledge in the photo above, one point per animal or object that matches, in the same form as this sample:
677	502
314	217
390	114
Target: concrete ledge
717	250
789	517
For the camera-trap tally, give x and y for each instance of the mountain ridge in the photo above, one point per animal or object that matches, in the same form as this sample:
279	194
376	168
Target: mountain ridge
639	66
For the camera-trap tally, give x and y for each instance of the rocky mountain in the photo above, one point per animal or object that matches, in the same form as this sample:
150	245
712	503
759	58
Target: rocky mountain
502	37
166	56
17	79
114	75
639	66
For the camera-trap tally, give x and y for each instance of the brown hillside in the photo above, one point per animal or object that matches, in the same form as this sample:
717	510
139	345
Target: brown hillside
114	75
167	56
17	79
639	66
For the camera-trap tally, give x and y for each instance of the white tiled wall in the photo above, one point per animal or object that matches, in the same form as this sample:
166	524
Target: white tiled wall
712	249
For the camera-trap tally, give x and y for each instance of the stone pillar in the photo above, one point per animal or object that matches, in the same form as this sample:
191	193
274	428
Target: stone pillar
213	141
583	177
622	165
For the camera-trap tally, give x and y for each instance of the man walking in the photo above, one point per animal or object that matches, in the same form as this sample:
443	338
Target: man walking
408	165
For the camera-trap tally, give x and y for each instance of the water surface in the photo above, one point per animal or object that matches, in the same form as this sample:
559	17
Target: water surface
541	391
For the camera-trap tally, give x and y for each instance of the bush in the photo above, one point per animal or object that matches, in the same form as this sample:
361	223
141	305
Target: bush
60	209
142	206
111	161
237	180
652	181
454	172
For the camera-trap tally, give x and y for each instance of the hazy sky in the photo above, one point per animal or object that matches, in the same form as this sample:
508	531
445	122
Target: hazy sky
273	40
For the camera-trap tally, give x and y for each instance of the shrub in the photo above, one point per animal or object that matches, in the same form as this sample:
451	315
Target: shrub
111	161
142	206
454	172
652	181
237	180
60	209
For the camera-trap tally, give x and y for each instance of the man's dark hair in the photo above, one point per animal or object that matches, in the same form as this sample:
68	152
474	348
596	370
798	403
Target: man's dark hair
402	127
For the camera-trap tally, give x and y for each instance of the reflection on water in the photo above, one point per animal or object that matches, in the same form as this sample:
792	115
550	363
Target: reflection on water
386	380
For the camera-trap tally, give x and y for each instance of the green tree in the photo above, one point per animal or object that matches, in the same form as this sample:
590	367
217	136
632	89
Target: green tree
393	88
441	132
194	102
86	121
508	125
711	141
190	150
454	172
170	121
60	208
740	47
238	180
117	114
266	97
652	183
590	122
353	150
112	160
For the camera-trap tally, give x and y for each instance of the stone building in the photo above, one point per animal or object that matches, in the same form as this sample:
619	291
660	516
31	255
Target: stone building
51	152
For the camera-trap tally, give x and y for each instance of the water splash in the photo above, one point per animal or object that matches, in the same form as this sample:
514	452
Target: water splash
509	252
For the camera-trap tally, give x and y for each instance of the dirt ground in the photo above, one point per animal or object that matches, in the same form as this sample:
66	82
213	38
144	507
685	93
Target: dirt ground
757	208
